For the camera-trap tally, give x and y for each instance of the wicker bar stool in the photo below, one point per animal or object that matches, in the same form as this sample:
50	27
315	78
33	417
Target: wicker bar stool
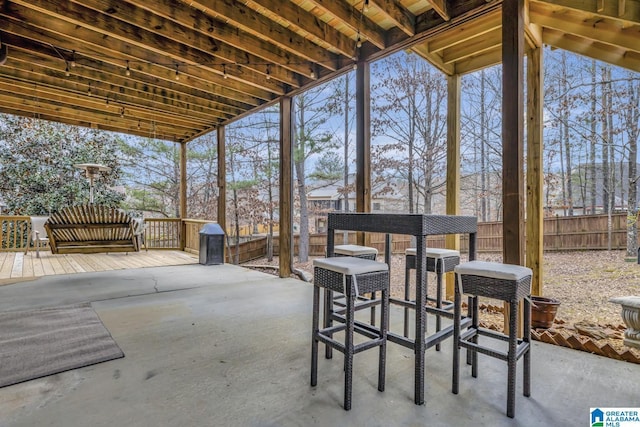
505	282
439	261
352	277
364	252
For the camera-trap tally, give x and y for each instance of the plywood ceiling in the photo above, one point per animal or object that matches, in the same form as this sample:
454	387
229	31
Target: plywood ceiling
177	69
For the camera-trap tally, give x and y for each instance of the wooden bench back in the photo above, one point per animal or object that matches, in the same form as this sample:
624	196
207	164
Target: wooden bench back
91	229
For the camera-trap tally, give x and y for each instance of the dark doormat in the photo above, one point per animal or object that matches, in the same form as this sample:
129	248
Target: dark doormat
37	343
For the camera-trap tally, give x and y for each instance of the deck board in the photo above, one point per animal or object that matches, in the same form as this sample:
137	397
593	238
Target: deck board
17	265
7	265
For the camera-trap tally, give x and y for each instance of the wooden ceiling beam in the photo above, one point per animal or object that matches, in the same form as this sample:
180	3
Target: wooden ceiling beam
53	70
462	33
104	91
291	56
599	29
442	8
475	63
434	59
63	97
473	47
29	24
201	40
610	9
32	108
104	74
142	132
600	51
296	18
400	16
352	18
73	17
251	23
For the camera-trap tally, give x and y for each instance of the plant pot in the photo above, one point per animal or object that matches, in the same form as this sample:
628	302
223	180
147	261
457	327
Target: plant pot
543	311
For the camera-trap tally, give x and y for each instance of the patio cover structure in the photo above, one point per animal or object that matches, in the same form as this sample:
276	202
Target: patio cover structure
176	70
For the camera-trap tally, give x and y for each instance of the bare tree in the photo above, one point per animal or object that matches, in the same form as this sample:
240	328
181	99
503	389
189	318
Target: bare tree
311	138
409	105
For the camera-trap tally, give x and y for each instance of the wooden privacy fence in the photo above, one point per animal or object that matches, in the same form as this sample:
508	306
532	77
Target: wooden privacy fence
587	232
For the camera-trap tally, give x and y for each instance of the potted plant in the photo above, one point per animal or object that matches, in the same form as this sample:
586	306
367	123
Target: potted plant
543	311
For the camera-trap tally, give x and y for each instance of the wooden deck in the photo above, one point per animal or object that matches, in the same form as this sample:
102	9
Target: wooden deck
17	265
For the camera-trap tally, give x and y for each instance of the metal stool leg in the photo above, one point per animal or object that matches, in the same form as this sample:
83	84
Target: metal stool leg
526	380
328	321
384	326
511	358
438	296
472	356
456	338
314	332
407	295
348	354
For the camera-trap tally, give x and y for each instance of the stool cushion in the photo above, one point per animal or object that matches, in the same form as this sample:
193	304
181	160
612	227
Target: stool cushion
350	265
494	270
354	250
434	252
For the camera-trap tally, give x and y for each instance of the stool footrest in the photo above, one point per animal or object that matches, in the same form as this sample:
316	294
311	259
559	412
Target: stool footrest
361	303
521	349
443	312
362	328
367	345
498	354
331	342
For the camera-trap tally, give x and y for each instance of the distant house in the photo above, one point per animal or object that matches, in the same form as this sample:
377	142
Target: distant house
329	196
581	190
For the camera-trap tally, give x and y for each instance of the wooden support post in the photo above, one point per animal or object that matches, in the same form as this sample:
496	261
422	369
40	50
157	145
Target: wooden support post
222	182
286	187
512	134
363	143
512	131
183	193
453	167
535	210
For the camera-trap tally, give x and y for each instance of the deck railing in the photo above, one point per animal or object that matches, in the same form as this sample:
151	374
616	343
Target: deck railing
163	233
15	232
192	229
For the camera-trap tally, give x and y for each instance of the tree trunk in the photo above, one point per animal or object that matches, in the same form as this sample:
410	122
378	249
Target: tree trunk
236	217
345	207
271	213
483	155
633	121
592	142
299	159
606	185
566	135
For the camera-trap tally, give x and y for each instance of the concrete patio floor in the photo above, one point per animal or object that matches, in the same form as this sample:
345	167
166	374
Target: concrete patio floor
227	346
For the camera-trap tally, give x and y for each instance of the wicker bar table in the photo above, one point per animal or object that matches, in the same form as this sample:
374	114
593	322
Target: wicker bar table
420	226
